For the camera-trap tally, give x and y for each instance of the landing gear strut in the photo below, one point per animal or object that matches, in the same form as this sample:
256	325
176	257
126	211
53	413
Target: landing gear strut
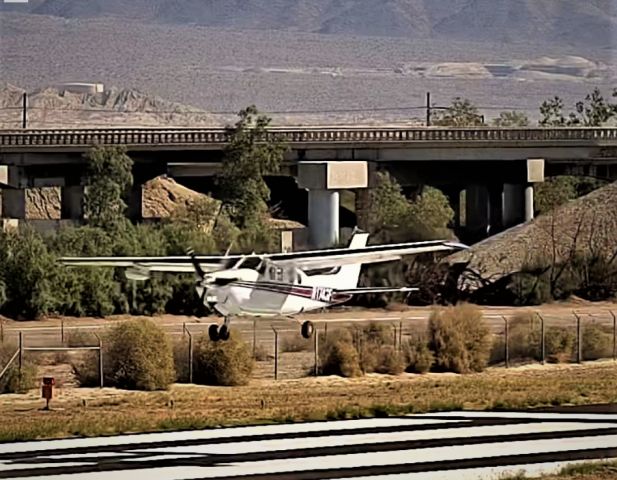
307	329
216	332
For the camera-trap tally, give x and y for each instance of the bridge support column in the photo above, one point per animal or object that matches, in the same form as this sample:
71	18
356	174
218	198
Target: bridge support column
477	212
363	208
529	203
323	215
135	202
72	202
513	204
14	203
495	198
324	180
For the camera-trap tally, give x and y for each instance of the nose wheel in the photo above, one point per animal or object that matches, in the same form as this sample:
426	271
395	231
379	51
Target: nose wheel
218	332
307	329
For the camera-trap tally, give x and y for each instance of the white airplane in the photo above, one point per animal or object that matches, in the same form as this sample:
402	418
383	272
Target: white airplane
279	284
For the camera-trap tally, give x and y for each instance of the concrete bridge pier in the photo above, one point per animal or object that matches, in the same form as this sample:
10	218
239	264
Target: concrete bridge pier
14	203
323	217
14	193
477	219
324	180
72	202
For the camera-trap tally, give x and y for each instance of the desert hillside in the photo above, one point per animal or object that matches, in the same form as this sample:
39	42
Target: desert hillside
546	21
317	61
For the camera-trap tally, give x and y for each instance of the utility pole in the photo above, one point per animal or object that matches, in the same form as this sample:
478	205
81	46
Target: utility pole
428	109
24	113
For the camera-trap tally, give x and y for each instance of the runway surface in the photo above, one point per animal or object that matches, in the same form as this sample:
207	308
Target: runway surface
461	445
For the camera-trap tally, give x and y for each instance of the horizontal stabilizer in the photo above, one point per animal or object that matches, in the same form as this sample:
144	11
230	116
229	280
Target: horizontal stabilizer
361	290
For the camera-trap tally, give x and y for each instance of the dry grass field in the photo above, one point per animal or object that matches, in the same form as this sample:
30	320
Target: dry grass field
586	471
108	411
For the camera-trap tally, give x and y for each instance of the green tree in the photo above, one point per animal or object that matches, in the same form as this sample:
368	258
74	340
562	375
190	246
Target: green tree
462	113
29	271
109	179
392	217
511	119
551	112
593	111
558	190
251	153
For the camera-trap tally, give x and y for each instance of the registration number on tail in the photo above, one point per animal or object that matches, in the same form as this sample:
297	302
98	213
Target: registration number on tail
322	294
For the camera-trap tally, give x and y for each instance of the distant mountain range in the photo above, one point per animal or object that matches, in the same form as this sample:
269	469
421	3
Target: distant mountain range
566	22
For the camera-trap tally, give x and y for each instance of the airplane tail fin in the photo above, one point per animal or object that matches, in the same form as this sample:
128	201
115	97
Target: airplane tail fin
349	275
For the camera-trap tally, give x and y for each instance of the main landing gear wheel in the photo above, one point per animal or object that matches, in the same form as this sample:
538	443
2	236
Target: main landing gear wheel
223	332
213	333
307	329
217	333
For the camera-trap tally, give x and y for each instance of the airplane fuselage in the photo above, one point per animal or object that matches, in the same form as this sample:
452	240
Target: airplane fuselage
273	293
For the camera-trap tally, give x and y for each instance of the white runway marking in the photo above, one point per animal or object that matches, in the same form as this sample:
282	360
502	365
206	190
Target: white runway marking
461	445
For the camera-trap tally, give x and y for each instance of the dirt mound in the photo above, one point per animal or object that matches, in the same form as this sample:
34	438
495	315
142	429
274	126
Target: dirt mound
162	195
60	108
43	203
587	225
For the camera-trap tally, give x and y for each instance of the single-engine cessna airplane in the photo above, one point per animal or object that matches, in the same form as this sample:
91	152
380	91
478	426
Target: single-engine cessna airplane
263	285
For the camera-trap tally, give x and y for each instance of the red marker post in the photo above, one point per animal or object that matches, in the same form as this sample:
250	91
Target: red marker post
47	390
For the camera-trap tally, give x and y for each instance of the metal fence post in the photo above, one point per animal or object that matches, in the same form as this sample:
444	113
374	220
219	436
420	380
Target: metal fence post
316	346
395	336
400	335
101	375
506	343
614	334
21	351
542	339
190	355
62	331
254	338
579	338
183	329
276	353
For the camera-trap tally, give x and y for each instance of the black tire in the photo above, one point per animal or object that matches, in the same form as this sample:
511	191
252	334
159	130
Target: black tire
224	332
307	329
213	332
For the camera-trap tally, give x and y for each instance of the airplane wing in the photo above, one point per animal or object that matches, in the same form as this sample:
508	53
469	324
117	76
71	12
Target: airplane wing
372	254
310	260
152	264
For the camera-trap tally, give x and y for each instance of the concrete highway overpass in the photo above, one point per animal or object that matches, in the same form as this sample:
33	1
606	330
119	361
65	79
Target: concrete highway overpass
496	166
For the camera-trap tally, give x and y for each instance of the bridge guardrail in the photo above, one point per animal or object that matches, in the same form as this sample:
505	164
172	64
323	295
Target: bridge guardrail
204	136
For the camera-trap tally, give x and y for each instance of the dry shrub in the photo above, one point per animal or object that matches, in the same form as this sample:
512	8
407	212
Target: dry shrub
225	363
295	343
341	358
12	381
138	356
261	353
560	343
60	358
81	338
86	369
417	354
338	356
390	361
524	331
597	341
459	339
377	353
181	360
